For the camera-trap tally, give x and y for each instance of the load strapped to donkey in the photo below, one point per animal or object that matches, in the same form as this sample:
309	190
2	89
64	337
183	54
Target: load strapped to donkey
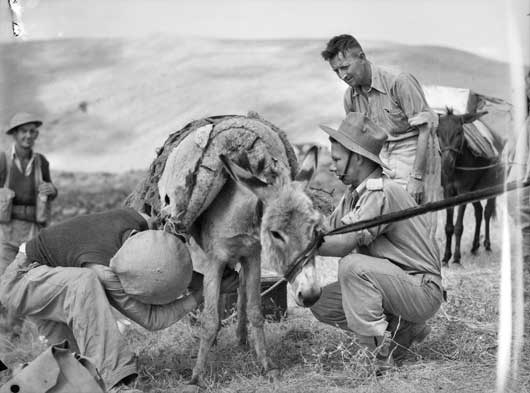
191	156
488	135
225	184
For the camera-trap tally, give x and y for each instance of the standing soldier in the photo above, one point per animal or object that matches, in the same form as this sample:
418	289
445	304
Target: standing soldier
396	103
27	173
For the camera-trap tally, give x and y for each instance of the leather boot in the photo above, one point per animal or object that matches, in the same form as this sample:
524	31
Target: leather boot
409	333
379	349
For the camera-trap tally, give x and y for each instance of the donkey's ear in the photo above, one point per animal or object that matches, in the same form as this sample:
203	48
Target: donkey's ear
308	167
245	178
471	117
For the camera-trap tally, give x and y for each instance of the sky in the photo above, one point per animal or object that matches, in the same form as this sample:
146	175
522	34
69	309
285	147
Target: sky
477	26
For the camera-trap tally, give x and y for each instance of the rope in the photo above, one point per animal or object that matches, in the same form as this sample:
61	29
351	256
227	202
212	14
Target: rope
472	196
468	197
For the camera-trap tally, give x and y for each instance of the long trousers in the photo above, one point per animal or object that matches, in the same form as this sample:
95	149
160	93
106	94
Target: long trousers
69	302
370	289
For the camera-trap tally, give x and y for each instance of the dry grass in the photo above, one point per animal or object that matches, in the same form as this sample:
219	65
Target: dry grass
459	355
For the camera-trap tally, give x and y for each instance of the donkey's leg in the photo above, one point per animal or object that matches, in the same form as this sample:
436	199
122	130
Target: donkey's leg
478	222
255	316
459	229
241	330
488	213
449	230
209	318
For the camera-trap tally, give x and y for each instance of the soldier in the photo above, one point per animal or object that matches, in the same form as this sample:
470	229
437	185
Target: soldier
61	279
27	173
396	103
389	278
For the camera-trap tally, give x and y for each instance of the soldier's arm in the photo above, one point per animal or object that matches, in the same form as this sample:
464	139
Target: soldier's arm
149	316
370	205
413	102
46	176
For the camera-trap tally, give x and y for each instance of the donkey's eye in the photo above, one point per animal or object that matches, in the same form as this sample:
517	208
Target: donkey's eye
277	235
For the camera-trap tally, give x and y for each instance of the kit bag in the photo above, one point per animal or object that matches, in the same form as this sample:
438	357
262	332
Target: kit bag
6	194
56	370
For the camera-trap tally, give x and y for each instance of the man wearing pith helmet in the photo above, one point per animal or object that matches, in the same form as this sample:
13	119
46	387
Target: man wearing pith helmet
68	278
389	278
27	173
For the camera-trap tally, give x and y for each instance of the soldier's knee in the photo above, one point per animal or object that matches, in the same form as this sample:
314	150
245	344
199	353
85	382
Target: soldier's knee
86	280
353	265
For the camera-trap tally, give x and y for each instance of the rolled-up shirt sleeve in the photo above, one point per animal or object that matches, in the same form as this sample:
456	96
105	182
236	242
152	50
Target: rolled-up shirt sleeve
149	316
410	95
370	205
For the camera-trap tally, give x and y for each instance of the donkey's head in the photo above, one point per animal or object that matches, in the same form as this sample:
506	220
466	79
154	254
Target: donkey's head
289	225
451	137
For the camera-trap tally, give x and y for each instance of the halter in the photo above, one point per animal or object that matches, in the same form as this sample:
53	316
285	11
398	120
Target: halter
468	168
301	260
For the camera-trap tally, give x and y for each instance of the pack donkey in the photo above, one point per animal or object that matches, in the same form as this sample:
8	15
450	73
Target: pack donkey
261	213
462	171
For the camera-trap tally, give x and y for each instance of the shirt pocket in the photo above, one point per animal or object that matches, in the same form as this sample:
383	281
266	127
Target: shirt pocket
395	115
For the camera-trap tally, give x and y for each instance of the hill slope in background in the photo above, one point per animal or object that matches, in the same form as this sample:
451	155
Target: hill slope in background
109	103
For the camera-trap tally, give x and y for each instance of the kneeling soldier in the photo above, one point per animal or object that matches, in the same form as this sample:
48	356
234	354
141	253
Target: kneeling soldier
389	278
62	281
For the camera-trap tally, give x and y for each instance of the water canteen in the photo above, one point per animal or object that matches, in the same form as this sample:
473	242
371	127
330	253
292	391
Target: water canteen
153	266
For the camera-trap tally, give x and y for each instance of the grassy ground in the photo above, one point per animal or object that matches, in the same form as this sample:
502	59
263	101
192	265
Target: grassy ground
459	355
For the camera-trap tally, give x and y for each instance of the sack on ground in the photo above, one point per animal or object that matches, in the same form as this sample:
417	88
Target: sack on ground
56	370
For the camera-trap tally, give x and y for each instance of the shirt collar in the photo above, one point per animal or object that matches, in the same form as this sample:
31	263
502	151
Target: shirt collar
18	163
376	83
374	174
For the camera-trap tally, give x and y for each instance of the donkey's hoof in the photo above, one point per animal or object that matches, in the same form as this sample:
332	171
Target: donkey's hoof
273	375
487	246
243	343
457	264
188	389
196	381
474	250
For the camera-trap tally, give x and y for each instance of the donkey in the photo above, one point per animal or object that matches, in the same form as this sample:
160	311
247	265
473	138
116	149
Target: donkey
463	172
248	222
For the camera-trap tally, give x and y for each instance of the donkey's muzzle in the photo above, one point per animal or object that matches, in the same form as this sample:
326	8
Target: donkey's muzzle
309	297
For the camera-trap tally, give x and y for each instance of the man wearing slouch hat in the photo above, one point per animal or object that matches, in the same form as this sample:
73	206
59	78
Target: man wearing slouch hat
389	277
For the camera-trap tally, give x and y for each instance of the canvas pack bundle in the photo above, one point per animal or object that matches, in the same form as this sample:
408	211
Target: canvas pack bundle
6	194
188	174
43	204
56	370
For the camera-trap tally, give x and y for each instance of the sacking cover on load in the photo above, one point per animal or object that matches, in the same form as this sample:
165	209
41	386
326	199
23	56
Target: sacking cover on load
153	266
187	174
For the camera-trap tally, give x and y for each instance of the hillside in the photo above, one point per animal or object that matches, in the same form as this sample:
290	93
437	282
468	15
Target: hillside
110	103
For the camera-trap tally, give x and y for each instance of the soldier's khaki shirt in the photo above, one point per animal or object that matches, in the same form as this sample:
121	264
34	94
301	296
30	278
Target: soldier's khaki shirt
390	101
405	243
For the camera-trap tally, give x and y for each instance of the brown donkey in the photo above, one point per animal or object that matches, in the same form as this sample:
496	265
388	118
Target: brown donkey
260	215
462	172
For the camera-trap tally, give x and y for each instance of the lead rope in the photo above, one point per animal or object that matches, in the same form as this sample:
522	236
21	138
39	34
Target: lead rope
469	197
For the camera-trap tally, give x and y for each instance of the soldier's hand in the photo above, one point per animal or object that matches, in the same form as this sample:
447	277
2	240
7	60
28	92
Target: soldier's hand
416	188
429	118
46	189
